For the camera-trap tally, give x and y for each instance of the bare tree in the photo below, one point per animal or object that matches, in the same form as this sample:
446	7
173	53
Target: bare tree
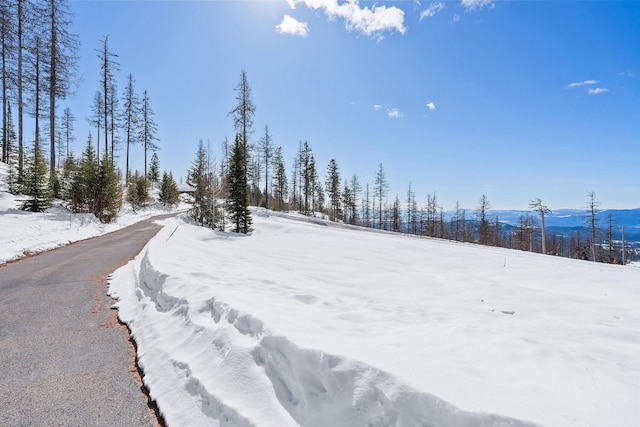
592	207
95	119
7	23
63	47
537	206
131	118
244	111
108	65
67	129
484	225
148	129
381	186
266	151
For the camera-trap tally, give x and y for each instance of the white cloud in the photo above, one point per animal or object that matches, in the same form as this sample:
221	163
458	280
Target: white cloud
626	74
435	7
431	106
470	5
455	18
394	113
371	21
291	26
377	107
583	83
597	91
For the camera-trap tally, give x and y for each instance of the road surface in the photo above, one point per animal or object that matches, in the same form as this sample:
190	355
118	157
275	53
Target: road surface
64	359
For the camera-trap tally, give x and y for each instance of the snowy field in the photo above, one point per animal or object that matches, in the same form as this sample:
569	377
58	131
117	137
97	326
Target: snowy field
25	233
308	324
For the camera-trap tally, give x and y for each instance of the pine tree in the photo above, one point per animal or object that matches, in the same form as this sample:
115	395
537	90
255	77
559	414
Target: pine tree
36	185
154	169
238	189
356	189
196	179
132	190
11	153
110	194
169	195
484	228
347	201
332	185
279	179
138	191
84	186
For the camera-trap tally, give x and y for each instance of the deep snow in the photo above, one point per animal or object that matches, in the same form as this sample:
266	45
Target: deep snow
305	324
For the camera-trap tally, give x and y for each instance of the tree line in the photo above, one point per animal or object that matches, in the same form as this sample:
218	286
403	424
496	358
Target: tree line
38	64
348	200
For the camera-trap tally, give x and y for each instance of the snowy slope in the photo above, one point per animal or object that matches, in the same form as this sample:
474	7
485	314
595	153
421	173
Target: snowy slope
312	325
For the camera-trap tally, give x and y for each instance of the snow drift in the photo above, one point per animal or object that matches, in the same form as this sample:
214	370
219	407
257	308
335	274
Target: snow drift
315	326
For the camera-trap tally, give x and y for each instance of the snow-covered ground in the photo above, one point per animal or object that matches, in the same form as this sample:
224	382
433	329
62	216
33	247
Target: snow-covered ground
302	323
23	233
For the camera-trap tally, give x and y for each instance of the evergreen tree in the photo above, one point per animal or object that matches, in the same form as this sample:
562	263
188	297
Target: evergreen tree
84	184
69	170
196	179
138	191
11	153
484	228
154	169
396	220
132	191
332	185
110	194
355	188
279	179
205	205
347	201
36	185
238	188
169	195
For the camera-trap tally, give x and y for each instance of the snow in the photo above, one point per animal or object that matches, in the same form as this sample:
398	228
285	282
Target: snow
307	323
25	233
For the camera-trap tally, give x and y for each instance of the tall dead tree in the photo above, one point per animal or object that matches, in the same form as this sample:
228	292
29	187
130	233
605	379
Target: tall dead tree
537	206
108	65
592	208
63	47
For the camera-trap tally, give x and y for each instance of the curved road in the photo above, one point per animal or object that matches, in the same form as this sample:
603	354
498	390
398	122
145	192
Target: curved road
64	359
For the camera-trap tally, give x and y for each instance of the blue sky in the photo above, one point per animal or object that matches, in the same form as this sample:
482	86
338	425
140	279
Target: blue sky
512	99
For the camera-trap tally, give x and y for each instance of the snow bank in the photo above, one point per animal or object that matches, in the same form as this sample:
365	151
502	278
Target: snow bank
298	324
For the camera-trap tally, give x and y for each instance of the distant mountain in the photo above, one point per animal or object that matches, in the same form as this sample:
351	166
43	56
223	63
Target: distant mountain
568	220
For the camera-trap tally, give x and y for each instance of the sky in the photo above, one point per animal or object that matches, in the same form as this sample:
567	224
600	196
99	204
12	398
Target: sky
512	99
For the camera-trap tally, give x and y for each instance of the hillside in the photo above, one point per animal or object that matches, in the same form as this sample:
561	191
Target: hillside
309	324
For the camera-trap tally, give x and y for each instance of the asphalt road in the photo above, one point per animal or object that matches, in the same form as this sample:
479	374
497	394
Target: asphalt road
64	359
